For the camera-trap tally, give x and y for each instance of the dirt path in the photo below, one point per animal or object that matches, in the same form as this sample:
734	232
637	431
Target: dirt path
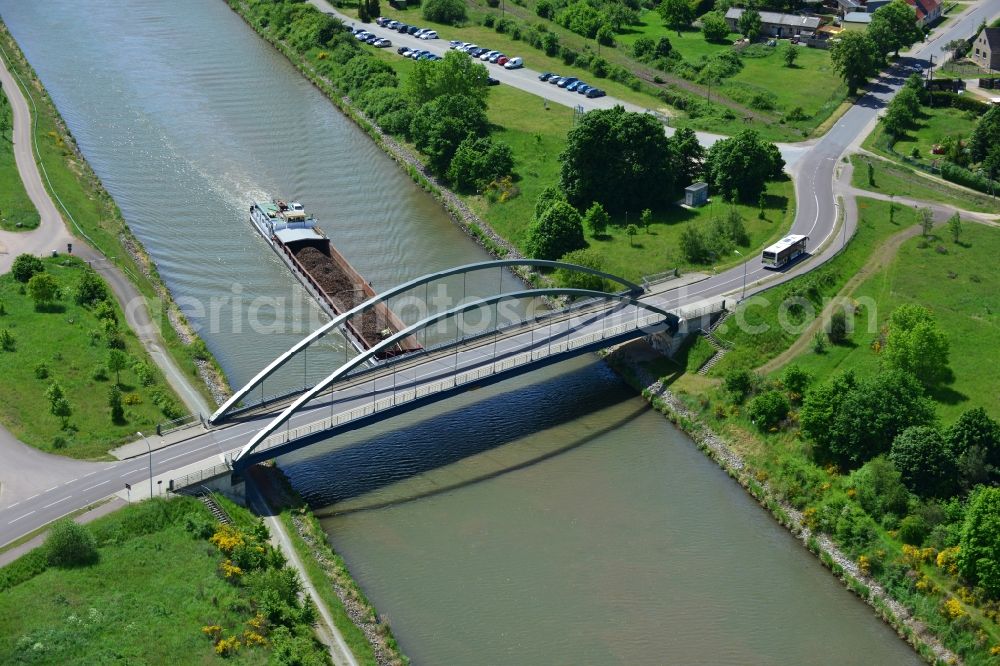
879	260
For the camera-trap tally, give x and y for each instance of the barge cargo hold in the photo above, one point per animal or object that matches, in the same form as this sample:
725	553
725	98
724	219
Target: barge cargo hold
326	274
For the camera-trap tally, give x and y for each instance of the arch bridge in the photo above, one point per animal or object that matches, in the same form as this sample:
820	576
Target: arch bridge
370	387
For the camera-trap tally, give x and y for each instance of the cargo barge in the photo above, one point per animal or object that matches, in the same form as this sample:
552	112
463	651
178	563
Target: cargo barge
326	274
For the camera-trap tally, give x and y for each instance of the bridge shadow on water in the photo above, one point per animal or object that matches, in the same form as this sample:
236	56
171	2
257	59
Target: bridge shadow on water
372	463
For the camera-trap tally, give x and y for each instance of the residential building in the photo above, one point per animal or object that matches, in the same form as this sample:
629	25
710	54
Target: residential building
774	24
928	11
985	50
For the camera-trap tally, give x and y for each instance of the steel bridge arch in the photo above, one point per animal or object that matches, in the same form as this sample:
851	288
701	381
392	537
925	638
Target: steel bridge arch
670	319
272	367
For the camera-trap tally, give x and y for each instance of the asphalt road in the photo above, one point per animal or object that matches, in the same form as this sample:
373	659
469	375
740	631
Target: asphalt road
816	215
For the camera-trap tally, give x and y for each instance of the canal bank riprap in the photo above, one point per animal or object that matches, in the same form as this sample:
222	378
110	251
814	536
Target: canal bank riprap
627	361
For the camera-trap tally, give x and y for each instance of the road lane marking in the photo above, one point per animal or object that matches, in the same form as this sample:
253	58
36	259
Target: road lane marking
17	519
131	471
96	485
56	502
91	474
51	489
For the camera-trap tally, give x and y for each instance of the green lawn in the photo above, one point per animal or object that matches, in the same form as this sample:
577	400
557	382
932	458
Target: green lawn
16	209
898	180
145	601
755	328
96	213
960	288
60	338
932	127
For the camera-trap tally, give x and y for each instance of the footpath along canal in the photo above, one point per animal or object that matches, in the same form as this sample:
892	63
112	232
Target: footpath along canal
552	518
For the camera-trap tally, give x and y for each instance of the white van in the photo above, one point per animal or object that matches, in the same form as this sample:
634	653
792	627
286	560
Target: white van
514	63
430	34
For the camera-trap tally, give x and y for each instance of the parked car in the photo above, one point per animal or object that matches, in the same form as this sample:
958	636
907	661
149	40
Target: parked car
402	28
545	76
502	60
430	34
573	86
515	63
490	81
595	92
420	31
382	21
486	56
454	44
583	89
411	29
555	80
496	57
392	25
567	80
416	53
382	43
476	52
403	50
371	39
362	36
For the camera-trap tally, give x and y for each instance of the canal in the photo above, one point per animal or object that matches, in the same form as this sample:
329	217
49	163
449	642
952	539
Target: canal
550	519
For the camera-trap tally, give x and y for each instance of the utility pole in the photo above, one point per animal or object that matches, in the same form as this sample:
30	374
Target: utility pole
150	450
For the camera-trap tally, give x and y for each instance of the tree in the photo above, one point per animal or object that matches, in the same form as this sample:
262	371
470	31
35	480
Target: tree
690	155
750	23
70	545
836	328
90	289
895	121
790	54
985	137
457	75
8	342
58	404
605	35
663	47
115	403
646	219
879	488
925	462
43	289
894	26
449	12
871	173
618	158
979	549
478	161
557	232
768	409
693	245
677	14
915	344
597	219
578	279
851	421
117	361
25	267
736	230
743	164
955	227
631	230
714	27
974	440
856	58
441	125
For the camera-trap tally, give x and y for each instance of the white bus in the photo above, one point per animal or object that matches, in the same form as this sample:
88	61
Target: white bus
784	251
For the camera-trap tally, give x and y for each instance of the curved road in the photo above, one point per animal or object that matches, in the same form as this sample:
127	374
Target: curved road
816	216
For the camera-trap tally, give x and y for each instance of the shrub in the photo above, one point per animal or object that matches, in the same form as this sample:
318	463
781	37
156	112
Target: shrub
913	530
557	232
90	289
444	11
70	545
739	384
25	267
768	409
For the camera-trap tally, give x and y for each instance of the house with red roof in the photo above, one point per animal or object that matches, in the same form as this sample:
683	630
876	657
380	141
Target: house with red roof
928	11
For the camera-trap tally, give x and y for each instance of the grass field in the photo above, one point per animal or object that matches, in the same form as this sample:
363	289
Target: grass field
901	181
755	329
92	207
16	210
145	601
960	288
60	339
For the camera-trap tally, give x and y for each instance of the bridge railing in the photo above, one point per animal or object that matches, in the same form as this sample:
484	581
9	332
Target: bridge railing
200	476
466	377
